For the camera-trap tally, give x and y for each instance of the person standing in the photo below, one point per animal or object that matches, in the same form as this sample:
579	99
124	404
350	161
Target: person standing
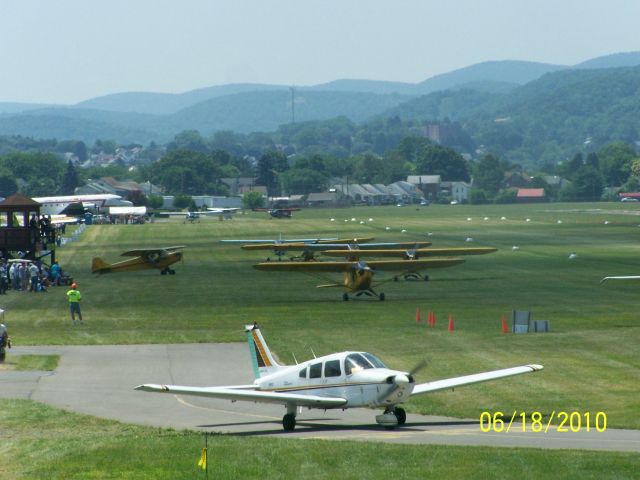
5	342
74	298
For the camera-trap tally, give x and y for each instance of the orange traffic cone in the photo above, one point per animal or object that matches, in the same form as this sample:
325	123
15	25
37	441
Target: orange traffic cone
432	319
505	329
450	323
418	320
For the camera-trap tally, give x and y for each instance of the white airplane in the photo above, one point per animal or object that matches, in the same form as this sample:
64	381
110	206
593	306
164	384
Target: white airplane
195	216
622	277
77	204
340	380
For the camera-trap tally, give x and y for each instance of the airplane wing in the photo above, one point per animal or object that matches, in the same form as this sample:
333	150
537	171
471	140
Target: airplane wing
247	393
319	245
624	277
475	378
384	265
416	253
149	251
273	241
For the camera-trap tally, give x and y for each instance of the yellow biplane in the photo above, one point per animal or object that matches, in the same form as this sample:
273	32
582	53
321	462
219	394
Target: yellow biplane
145	258
358	275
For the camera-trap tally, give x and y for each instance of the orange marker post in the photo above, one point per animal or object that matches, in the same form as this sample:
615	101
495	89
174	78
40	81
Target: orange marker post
505	329
450	323
418	320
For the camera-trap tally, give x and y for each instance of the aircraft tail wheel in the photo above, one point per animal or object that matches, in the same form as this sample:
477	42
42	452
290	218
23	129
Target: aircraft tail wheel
401	415
289	422
345	297
381	297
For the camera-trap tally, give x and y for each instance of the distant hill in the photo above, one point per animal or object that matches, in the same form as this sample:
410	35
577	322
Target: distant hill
168	103
477	94
626	59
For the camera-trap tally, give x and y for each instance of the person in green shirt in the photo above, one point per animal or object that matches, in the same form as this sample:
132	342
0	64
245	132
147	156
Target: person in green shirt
74	303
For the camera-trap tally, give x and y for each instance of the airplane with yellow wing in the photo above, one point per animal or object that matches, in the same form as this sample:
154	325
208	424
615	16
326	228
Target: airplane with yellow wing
351	379
308	250
145	258
358	275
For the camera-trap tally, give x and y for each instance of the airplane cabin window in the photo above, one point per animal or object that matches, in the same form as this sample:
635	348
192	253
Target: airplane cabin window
332	368
303	373
315	370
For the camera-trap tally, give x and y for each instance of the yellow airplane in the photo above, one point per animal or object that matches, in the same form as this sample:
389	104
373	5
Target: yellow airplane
145	258
343	245
358	276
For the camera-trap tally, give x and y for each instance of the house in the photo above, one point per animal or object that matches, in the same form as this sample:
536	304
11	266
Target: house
429	185
240	185
530	195
458	191
406	192
356	193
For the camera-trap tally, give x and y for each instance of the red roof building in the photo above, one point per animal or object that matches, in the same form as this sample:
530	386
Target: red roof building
531	195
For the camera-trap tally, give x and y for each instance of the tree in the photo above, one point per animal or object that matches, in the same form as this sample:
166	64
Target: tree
443	161
8	185
488	175
253	199
616	161
267	171
588	184
155	201
303	181
70	180
182	201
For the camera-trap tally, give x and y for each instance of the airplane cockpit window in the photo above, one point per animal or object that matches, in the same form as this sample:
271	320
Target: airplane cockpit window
332	368
315	370
303	373
355	362
375	361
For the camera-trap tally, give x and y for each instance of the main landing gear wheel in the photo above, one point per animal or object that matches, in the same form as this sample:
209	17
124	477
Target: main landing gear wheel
289	422
172	271
381	297
345	297
426	278
163	271
401	415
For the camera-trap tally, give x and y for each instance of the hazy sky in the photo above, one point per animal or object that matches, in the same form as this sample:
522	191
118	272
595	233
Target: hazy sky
64	51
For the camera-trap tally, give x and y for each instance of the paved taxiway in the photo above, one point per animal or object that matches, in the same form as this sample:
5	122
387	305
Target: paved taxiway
99	380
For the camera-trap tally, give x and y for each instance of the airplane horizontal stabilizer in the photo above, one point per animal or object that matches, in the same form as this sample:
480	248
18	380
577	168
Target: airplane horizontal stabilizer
99	266
475	378
330	285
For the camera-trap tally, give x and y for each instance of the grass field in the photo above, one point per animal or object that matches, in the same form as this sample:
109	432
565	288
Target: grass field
38	442
590	357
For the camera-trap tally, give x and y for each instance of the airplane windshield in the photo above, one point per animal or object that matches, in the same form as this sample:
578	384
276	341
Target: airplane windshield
375	361
361	361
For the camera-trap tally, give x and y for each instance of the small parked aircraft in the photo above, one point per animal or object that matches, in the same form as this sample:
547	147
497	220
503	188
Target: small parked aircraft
194	216
340	380
623	277
145	258
278	212
409	253
307	241
354	244
358	276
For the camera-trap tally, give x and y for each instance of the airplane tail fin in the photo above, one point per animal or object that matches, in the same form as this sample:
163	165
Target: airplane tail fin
262	359
99	266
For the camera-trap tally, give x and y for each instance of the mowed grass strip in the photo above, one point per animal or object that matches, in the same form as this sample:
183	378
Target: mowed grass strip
38	441
590	357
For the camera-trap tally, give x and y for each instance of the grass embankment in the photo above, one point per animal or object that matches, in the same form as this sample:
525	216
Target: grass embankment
37	442
590	357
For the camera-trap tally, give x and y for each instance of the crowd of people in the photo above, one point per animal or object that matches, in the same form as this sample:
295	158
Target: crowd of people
32	276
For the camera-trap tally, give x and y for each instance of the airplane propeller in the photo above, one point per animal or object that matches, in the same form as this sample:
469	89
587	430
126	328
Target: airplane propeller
402	380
